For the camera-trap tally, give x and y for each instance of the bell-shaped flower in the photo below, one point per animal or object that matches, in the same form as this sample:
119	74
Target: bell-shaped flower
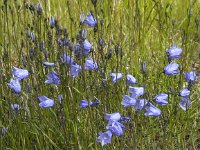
94	103
45	102
90	20
172	69
105	137
184	92
161	99
114	116
15	85
125	119
68	60
115	77
128	101
75	70
174	52
115	127
90	64
48	64
130	79
52	22
86	47
151	110
84	104
136	91
190	76
184	103
15	106
53	78
141	103
20	73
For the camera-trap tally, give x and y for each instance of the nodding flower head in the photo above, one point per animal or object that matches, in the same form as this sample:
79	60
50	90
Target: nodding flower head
184	103
45	102
171	69
114	116
190	76
75	70
90	64
90	20
52	22
128	101
15	85
174	52
86	47
53	78
130	79
105	137
68	60
115	127
20	73
136	91
161	99
151	110
184	92
115	77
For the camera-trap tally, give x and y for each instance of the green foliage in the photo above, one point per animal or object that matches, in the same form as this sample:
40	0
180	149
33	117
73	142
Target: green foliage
141	31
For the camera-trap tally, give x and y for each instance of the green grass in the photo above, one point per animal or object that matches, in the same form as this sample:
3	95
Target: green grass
141	30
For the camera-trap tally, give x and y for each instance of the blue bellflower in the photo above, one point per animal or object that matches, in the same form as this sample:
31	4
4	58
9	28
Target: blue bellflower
190	76
90	64
85	103
136	91
128	101
115	77
20	73
114	116
94	103
90	20
184	103
171	69
105	137
52	22
174	52
45	102
86	47
141	103
48	64
125	119
15	85
15	106
151	110
184	92
115	127
68	60
75	70
161	99
53	78
130	79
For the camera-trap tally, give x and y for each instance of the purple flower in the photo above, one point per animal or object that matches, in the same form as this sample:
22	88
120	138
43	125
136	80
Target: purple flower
171	69
125	119
105	137
48	64
90	64
128	101
39	8
115	77
190	76
20	73
15	106
95	103
130	79
151	110
136	91
53	78
174	52
184	92
84	104
184	103
161	99
141	103
75	70
86	46
114	116
90	20
68	59
15	85
115	127
3	130
52	22
45	102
